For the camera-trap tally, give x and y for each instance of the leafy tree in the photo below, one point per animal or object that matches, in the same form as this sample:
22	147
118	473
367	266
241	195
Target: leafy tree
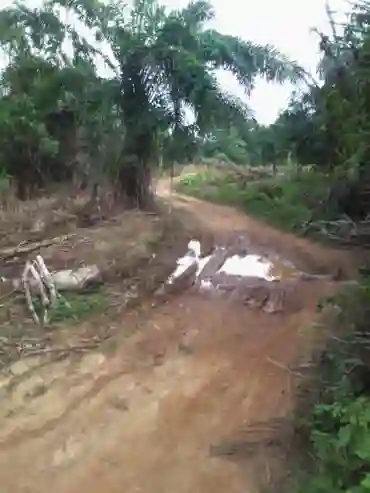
45	95
227	143
329	125
164	62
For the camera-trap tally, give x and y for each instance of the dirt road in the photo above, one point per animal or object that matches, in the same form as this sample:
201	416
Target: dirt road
174	408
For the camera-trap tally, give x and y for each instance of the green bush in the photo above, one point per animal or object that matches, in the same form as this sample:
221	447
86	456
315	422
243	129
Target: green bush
338	422
341	443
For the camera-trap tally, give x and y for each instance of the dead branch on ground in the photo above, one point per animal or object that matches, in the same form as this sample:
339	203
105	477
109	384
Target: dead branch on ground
25	248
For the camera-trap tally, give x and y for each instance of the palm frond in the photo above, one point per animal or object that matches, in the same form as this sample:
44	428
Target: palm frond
247	60
220	107
197	13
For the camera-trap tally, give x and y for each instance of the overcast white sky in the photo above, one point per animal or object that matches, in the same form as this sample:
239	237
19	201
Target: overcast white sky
286	24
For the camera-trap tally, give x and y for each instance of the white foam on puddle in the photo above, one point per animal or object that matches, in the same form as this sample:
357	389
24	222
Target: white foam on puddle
237	265
206	285
184	263
195	248
247	266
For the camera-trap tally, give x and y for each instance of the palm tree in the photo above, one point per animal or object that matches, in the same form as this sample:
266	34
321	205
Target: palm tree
54	109
162	63
166	61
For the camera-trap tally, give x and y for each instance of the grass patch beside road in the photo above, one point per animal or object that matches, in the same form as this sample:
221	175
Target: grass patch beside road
287	202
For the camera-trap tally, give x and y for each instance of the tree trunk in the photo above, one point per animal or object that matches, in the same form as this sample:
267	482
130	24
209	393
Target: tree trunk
134	182
134	176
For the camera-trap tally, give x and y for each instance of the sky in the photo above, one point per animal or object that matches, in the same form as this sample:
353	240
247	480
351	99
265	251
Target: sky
286	24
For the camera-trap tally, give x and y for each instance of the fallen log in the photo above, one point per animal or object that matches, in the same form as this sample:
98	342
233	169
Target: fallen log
66	280
26	248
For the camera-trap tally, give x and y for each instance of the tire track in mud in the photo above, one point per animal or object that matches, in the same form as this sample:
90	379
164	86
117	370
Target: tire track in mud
19	437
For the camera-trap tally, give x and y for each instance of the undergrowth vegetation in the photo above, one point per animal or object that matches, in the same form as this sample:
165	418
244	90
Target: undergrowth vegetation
333	412
290	203
75	308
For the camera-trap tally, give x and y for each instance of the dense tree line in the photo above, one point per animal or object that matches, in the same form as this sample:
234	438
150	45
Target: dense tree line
328	125
60	120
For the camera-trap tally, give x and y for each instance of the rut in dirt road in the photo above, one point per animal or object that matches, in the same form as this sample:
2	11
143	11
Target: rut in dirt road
179	405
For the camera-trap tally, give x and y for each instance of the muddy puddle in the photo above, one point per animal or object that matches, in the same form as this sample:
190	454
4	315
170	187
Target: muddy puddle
235	272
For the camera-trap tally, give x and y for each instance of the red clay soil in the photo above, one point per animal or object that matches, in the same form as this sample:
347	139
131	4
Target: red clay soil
172	411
